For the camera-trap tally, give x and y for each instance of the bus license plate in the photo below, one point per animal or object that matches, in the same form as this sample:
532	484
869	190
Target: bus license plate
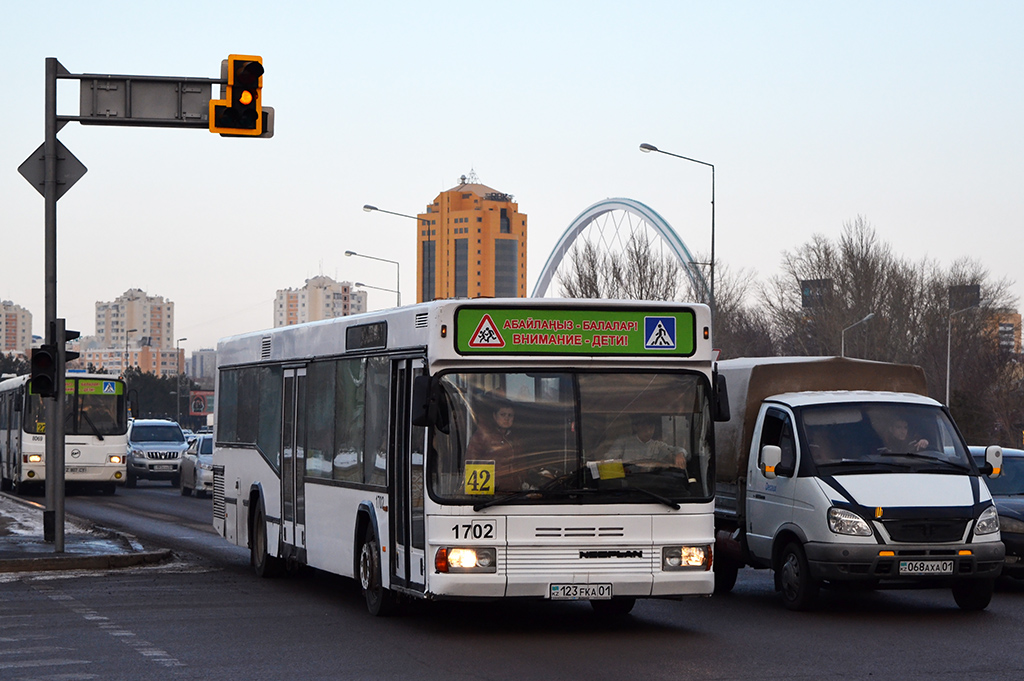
74	469
576	592
926	567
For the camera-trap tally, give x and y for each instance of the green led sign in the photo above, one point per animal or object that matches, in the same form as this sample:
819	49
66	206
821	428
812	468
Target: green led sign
647	332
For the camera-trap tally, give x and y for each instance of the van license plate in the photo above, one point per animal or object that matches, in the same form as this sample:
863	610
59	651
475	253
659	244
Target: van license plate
926	567
577	592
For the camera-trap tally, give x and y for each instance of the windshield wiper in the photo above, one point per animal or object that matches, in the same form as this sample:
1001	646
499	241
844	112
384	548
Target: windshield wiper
927	457
646	492
95	430
540	492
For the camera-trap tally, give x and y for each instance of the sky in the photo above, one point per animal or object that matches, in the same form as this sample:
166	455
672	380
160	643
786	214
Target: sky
908	114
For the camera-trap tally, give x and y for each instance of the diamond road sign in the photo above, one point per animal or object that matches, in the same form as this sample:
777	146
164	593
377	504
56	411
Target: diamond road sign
69	169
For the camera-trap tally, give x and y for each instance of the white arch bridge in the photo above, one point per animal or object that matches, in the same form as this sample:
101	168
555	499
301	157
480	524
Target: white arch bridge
609	225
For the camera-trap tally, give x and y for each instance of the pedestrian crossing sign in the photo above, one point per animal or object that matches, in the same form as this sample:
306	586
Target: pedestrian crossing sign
659	333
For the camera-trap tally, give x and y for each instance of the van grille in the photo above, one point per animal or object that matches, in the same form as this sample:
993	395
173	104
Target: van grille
926	531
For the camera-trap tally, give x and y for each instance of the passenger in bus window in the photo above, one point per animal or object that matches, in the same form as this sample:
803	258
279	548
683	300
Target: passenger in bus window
494	441
643	447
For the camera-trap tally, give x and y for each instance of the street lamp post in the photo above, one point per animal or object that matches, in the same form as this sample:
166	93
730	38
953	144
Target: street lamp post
647	148
842	342
949	343
376	288
124	369
177	398
398	271
426	223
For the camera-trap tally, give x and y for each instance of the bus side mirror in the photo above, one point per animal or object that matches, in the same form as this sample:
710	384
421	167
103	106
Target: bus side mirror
771	457
428	404
993	461
720	398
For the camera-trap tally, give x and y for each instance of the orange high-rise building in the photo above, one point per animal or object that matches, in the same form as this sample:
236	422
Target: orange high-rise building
472	244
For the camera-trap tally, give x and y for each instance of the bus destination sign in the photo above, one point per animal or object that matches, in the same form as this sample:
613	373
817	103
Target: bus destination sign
554	331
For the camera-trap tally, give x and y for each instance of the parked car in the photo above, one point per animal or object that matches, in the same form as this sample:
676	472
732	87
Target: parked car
197	467
1008	492
155	447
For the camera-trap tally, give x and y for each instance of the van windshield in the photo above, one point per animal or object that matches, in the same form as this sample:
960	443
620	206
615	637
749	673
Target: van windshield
573	437
897	434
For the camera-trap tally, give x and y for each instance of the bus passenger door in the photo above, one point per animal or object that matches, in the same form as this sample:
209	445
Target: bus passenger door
293	464
408	448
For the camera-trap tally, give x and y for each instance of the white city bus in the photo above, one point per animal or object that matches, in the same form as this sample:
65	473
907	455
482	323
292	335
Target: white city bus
95	427
368	446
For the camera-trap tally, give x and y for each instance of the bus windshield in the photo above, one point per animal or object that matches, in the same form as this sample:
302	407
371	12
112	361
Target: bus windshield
91	407
578	437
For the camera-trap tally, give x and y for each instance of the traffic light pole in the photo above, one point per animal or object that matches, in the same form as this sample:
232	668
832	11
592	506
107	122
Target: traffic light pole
53	515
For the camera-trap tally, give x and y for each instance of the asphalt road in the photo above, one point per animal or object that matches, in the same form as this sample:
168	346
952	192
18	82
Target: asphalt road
207	615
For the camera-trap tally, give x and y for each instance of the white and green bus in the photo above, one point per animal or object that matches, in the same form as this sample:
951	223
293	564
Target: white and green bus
500	448
95	440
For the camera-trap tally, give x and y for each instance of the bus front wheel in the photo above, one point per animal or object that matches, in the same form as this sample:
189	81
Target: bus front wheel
263	563
379	601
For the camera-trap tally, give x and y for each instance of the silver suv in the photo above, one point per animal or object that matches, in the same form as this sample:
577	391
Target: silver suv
155	447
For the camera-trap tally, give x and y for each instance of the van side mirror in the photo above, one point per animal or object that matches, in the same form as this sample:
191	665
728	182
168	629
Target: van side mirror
993	461
771	456
720	398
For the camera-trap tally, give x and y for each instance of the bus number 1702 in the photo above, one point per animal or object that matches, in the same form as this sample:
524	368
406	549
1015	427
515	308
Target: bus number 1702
475	530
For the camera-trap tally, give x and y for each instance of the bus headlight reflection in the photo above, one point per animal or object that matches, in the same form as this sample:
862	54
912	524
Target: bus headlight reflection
686	558
465	559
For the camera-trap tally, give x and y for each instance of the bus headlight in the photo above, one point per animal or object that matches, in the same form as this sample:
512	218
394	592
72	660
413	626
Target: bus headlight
988	521
686	557
842	521
33	458
115	458
466	559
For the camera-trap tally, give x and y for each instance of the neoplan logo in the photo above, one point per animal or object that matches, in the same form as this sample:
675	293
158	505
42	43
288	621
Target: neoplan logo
611	554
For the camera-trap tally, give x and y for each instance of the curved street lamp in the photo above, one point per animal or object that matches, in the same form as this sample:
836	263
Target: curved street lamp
398	271
842	343
424	223
648	148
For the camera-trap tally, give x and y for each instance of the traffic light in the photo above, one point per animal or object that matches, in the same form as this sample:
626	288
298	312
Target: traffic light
69	335
241	110
44	371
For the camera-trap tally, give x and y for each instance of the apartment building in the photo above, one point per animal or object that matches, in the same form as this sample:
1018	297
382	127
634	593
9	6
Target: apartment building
321	298
137	318
15	328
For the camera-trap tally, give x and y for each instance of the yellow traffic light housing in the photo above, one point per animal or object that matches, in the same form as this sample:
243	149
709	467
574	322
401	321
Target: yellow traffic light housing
241	111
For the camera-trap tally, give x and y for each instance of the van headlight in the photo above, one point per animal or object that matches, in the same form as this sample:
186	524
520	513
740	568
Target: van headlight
842	521
466	559
988	521
686	557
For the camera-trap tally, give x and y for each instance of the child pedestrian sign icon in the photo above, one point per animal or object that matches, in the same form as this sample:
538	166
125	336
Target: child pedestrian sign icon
659	333
486	335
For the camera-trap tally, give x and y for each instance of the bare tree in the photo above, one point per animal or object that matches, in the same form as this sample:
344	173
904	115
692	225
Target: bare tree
637	273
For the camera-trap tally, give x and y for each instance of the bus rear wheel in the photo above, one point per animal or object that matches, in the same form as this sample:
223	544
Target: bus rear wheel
379	600
263	563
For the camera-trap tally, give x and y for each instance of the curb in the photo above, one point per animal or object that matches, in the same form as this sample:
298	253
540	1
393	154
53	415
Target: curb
90	562
77	561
